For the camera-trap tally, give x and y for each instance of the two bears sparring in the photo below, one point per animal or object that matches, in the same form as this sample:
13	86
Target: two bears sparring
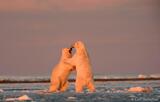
79	62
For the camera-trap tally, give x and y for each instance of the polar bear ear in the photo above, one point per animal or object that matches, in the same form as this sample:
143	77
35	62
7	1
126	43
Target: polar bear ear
76	45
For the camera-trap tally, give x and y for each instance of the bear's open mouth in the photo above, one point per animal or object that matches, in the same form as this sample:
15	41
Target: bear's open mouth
70	50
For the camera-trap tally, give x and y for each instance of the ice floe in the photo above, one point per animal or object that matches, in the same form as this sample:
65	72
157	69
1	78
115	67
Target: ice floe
21	98
140	89
1	90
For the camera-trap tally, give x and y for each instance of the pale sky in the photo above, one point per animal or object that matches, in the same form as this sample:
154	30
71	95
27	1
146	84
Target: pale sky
122	36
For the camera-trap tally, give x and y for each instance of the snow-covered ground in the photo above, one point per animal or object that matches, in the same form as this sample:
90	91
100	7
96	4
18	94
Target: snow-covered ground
116	91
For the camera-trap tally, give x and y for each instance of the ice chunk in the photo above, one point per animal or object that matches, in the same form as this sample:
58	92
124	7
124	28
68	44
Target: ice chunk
155	75
140	89
142	76
71	98
24	98
21	98
10	99
1	91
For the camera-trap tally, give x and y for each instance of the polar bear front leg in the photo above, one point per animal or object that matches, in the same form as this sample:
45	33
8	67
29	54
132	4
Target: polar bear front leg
64	87
55	85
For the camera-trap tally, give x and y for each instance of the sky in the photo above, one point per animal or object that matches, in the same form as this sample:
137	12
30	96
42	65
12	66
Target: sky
122	36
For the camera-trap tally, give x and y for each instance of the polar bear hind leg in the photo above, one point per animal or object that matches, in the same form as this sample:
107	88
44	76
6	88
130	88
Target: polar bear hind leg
90	86
64	87
55	85
79	85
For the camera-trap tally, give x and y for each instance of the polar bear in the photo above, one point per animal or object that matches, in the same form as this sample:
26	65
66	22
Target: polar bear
81	60
61	72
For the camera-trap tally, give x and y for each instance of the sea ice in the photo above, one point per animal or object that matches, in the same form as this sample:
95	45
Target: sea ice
72	98
1	91
24	97
140	89
21	98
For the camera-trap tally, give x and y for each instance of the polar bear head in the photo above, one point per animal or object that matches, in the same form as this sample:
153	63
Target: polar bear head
66	53
79	45
80	48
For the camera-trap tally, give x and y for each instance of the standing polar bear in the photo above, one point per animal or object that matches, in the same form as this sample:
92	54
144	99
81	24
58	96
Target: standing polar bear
81	60
59	77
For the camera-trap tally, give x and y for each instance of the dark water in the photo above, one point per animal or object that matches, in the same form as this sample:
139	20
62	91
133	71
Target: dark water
106	92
